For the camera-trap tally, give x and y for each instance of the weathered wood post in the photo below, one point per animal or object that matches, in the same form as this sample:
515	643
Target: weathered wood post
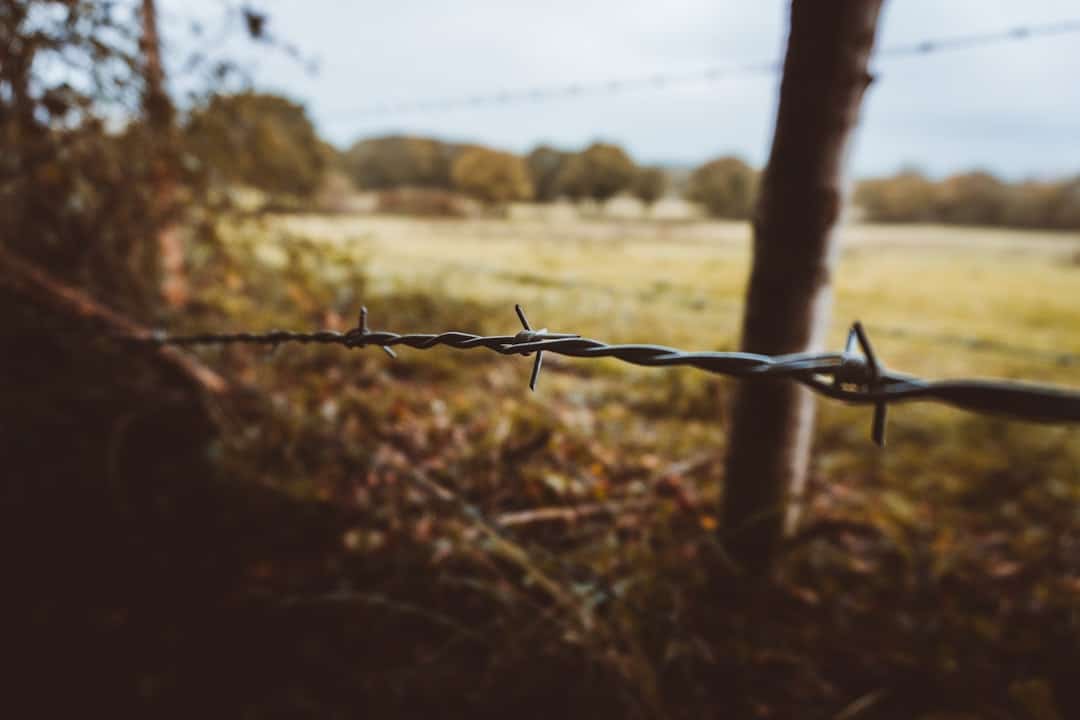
789	298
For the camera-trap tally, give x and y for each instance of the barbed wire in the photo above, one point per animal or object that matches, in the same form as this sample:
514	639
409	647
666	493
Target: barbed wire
712	73
853	375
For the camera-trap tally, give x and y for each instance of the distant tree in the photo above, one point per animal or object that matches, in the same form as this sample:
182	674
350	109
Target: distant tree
649	185
726	187
908	196
1065	214
545	163
333	159
260	140
1031	204
491	176
600	172
974	198
400	161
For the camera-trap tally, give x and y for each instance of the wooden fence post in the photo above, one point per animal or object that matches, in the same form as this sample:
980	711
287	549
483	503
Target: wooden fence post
789	297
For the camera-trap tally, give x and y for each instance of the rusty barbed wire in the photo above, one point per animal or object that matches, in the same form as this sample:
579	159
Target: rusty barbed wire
854	375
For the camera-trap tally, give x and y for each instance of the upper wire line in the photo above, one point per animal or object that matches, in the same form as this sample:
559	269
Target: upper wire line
711	73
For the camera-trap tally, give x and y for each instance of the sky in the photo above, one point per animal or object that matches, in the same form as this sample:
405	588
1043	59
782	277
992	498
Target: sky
1011	108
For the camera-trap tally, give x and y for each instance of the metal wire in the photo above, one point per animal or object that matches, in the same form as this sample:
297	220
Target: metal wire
660	81
853	376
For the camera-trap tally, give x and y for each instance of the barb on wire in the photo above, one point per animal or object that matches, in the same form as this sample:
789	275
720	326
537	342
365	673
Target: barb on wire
853	377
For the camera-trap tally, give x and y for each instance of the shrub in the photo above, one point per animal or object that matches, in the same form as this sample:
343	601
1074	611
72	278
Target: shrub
726	187
492	177
260	140
600	172
907	197
545	164
973	198
649	185
399	161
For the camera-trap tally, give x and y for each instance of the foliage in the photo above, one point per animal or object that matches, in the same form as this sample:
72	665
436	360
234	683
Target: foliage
649	185
74	197
400	161
545	165
492	177
258	140
907	197
726	187
599	172
974	198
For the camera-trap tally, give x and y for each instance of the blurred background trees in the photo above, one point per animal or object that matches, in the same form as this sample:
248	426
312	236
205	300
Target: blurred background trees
971	198
600	172
400	161
260	141
545	166
649	185
725	187
493	177
75	196
906	197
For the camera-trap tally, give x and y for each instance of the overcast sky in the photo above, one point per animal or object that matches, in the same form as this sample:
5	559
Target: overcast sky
1013	108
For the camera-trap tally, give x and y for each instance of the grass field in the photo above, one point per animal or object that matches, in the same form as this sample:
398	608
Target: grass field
979	515
683	283
938	302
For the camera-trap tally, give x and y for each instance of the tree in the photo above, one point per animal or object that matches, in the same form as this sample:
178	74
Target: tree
725	187
973	198
82	201
825	76
600	172
1065	214
400	161
908	196
260	140
545	164
92	185
649	185
491	176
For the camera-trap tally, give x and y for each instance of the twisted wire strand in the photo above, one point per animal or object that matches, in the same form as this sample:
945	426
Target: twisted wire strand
849	376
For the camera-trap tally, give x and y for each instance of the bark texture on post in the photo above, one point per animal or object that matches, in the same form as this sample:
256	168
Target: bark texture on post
789	297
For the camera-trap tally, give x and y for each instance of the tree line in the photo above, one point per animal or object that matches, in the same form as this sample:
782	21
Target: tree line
268	142
971	198
598	172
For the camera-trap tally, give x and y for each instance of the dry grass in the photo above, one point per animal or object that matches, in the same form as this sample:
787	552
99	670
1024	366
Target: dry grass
683	283
970	534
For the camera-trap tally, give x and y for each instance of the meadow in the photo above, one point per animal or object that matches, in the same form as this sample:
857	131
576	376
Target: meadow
945	563
939	302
